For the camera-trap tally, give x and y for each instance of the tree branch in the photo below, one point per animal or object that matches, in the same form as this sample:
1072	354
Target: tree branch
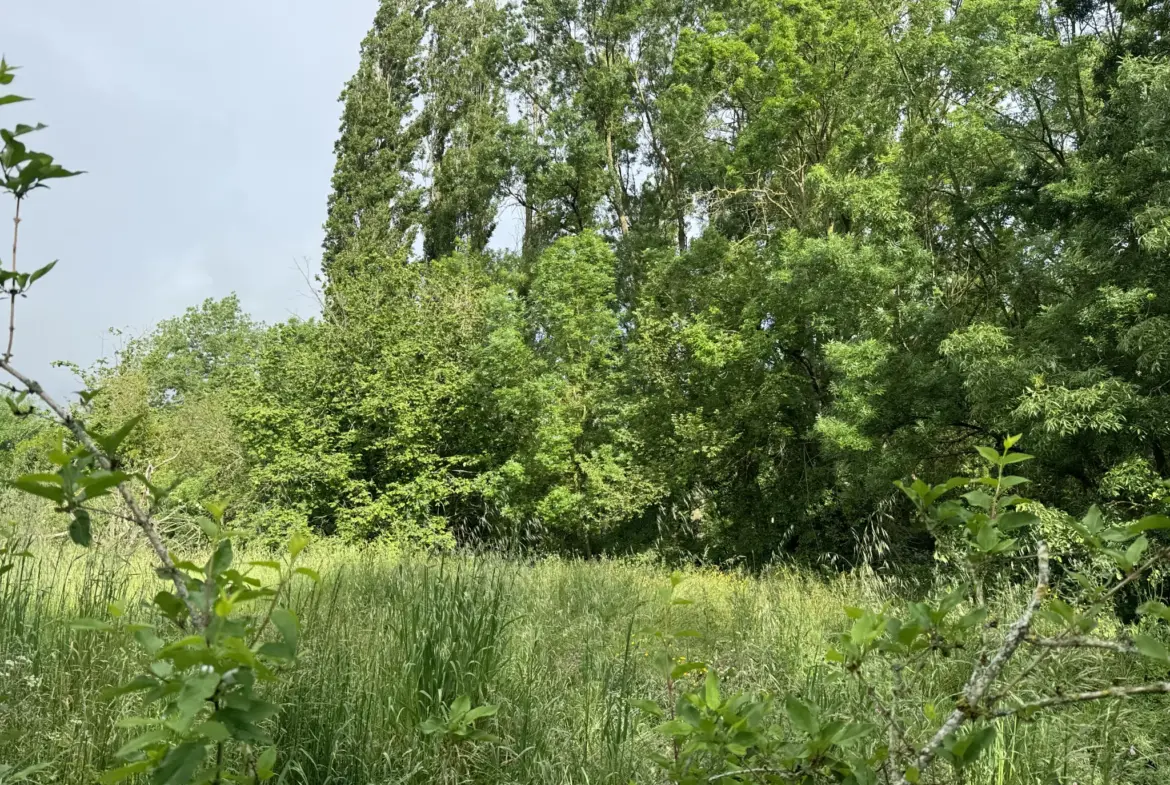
140	517
1083	642
983	677
12	289
1153	688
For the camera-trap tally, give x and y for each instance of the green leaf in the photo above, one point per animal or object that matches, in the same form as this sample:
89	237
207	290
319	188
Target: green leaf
912	775
143	741
286	622
212	731
852	732
968	748
209	528
990	454
180	764
1149	523
1016	457
220	560
112	442
1151	647
987	537
479	712
1017	519
115	776
266	764
297	543
312	575
682	669
1155	608
137	684
216	510
460	706
675	728
648	706
101	482
1138	547
96	625
12	99
978	498
973	619
51	491
79	529
42	272
711	691
171	606
801	715
1009	481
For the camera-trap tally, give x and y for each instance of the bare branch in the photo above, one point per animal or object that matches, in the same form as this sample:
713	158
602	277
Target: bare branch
1083	642
763	770
1153	688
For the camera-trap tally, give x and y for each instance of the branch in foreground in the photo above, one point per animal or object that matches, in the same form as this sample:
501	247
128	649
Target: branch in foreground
1153	688
983	677
1083	642
141	519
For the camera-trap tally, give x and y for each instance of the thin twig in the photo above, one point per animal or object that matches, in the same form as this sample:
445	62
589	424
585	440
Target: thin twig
141	519
12	290
762	770
1083	642
1153	688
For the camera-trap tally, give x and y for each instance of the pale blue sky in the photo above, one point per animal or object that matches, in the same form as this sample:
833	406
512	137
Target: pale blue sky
207	132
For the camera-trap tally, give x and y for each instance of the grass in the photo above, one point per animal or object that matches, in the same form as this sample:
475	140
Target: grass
555	644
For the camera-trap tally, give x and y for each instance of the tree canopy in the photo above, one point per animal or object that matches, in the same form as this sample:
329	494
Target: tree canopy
774	256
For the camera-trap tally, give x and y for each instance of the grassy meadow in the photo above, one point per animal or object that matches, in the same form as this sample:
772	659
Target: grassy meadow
557	645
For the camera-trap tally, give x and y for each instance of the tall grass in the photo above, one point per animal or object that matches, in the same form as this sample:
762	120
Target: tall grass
556	644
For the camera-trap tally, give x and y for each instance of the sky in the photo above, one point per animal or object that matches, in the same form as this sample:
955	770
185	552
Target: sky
206	133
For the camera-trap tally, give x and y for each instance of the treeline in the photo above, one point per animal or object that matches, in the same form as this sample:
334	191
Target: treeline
774	256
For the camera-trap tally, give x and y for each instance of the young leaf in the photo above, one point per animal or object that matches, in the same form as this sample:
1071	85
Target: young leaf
141	742
112	442
115	776
1151	647
479	712
41	272
266	764
711	691
297	543
801	716
1149	523
286	622
989	454
648	706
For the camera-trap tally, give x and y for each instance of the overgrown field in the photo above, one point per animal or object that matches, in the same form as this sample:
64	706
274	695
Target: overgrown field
556	645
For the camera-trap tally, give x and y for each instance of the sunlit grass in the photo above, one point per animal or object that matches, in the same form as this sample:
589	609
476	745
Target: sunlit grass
557	644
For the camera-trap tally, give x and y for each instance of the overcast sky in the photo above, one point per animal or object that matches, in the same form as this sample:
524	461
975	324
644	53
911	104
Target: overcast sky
206	130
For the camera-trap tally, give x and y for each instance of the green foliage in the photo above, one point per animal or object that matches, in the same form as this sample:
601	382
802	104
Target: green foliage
773	258
202	676
744	738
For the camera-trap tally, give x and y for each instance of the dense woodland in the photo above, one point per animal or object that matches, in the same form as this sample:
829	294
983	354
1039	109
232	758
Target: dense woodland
774	256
